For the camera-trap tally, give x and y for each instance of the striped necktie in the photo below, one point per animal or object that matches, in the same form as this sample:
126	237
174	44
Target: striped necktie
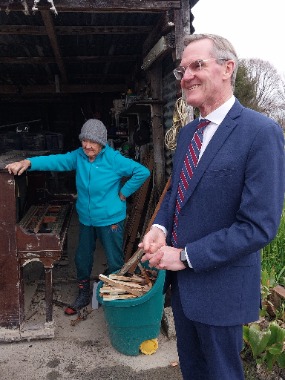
189	165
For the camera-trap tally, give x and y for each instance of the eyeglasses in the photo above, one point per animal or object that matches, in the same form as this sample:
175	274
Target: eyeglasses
194	67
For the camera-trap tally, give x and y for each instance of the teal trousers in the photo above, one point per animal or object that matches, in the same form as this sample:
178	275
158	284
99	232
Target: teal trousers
111	238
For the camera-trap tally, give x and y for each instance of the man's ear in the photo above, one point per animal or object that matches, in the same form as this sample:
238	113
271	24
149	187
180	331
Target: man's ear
229	67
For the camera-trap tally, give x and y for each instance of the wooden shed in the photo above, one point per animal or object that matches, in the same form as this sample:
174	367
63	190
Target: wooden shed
62	61
65	61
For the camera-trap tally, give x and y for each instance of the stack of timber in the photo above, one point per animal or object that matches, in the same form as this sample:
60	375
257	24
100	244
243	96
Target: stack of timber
122	287
126	283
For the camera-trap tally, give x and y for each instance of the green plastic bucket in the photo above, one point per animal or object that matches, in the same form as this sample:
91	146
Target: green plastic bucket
131	322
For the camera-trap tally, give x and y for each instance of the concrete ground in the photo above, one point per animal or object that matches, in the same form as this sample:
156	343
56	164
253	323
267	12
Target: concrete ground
82	349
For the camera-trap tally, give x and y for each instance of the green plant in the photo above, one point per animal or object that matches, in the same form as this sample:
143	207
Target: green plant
273	255
280	312
267	345
280	279
266	341
268	281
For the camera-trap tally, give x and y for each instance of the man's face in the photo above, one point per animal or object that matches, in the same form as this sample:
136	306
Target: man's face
206	88
91	149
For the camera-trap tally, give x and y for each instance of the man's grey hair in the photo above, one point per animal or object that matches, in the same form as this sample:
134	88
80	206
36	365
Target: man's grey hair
222	49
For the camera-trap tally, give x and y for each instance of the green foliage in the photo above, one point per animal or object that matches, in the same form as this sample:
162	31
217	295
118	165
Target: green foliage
268	281
245	88
273	255
267	345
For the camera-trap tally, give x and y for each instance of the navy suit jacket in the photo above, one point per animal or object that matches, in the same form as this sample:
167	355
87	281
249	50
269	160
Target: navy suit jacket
231	210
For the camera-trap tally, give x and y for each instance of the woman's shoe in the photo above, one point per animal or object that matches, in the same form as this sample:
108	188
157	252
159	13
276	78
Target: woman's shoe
82	300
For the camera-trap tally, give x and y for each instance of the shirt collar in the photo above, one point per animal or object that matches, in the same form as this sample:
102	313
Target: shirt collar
218	115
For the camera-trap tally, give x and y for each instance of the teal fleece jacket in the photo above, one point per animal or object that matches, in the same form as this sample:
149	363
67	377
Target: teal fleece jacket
98	183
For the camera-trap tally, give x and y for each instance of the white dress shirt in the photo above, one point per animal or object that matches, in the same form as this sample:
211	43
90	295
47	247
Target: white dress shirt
216	117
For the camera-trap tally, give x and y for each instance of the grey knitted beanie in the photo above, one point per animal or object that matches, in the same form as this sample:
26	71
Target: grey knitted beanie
94	130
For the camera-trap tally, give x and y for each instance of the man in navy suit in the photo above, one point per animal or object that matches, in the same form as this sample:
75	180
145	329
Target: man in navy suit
230	210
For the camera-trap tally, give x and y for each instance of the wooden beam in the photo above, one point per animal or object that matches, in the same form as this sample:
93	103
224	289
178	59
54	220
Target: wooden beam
22	30
129	6
108	29
157	129
90	59
27	60
48	21
159	50
72	30
64	89
182	27
100	59
46	99
162	27
98	77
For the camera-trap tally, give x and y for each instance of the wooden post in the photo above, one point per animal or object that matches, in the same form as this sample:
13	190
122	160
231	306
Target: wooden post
182	26
157	128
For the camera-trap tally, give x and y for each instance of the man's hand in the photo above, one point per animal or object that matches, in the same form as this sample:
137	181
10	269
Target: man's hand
18	167
153	240
158	253
122	197
165	258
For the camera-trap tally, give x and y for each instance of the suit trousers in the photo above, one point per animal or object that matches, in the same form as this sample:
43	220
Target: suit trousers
206	352
111	238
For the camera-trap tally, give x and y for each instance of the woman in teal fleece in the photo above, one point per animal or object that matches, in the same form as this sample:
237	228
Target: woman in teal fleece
101	198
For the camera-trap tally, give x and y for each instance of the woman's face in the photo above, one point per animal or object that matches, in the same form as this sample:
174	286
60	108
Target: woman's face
91	149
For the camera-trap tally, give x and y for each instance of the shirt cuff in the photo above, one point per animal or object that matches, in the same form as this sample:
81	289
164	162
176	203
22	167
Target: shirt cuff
163	229
188	261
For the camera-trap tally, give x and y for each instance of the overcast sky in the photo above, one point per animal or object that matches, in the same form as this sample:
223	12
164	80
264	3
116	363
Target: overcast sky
255	27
